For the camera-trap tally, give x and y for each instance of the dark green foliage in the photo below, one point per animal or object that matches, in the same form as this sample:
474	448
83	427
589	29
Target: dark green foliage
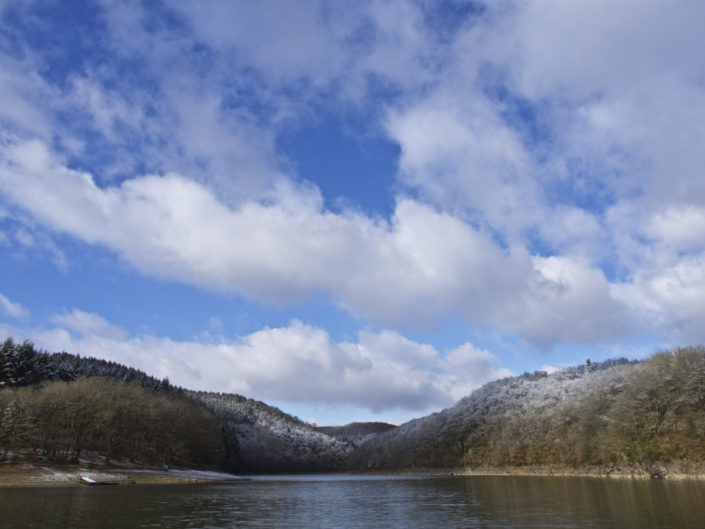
23	365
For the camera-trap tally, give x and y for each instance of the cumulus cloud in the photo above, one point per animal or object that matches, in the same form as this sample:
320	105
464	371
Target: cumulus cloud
13	309
460	154
320	43
553	154
571	302
601	110
298	363
669	297
282	39
575	232
577	51
20	87
581	138
187	116
87	324
681	228
414	269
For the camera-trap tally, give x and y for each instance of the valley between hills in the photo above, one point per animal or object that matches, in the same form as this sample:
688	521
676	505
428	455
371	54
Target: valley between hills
617	418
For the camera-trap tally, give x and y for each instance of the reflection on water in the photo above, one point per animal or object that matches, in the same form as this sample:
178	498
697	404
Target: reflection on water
364	502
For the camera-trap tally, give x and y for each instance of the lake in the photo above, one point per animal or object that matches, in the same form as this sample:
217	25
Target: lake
342	501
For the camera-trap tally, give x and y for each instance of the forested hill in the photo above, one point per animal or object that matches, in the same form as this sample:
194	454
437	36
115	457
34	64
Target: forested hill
599	413
24	365
262	438
187	427
610	413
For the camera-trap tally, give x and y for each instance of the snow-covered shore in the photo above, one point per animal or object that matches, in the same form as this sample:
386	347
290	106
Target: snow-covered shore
16	475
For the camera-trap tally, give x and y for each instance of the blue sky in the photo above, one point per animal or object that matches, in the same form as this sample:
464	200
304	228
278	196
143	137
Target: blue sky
354	211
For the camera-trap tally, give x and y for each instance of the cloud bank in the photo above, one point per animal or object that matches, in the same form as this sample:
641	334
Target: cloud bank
298	363
549	183
416	268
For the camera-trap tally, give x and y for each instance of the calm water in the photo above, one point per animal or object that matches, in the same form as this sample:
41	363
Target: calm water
363	502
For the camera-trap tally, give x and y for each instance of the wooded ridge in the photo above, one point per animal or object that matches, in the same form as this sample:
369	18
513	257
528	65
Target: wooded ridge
62	406
613	412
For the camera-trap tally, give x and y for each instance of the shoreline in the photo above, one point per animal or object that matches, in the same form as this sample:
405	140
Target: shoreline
23	474
34	475
672	471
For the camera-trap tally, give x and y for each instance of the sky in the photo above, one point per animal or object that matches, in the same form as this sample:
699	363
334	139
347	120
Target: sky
352	210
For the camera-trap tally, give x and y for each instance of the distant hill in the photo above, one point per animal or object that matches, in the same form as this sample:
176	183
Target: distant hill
357	432
599	413
262	438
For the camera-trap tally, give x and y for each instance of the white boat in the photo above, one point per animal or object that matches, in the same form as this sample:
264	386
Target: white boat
89	481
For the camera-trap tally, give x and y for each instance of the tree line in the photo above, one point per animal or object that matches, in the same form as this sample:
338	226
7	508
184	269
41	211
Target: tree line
24	365
62	407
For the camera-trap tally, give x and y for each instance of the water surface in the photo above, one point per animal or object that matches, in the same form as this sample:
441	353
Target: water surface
350	502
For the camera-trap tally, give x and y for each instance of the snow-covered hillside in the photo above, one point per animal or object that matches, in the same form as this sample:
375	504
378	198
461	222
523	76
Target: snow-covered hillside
262	438
592	414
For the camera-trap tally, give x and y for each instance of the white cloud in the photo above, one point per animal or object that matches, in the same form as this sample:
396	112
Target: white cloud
296	364
189	120
416	268
460	154
471	367
612	176
669	298
664	251
681	228
571	302
107	109
619	111
87	324
319	43
579	49
218	144
20	88
13	309
283	39
509	226
575	232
